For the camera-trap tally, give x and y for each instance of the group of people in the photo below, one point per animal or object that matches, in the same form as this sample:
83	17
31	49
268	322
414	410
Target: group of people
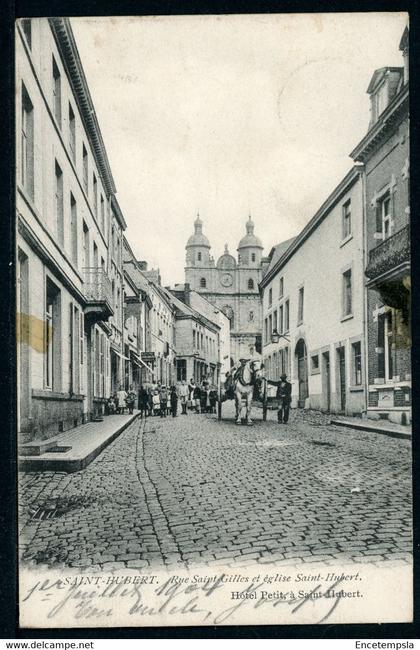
162	400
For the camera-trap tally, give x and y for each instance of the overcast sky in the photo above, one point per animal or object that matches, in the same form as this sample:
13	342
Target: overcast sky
231	116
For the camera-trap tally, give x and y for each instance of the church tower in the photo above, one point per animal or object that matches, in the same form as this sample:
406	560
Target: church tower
250	248
198	247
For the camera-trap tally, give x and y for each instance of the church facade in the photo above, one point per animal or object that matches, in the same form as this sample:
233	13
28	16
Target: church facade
231	284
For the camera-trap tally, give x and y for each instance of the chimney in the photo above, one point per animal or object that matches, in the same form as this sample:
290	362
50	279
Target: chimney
187	291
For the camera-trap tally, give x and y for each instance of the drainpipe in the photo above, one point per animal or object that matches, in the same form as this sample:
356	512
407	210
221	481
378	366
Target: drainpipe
365	290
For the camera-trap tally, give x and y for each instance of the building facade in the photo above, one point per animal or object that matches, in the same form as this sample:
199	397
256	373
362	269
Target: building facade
197	342
66	209
231	285
318	311
384	151
137	308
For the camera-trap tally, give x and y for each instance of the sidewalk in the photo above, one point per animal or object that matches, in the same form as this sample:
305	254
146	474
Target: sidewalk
375	426
74	449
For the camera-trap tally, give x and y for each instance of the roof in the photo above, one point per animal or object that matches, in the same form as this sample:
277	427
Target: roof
277	251
188	311
66	44
379	75
198	239
284	254
250	240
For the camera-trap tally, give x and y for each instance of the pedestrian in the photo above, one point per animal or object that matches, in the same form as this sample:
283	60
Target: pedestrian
143	402
213	399
131	399
121	400
156	402
110	406
183	393
197	398
174	401
163	401
205	398
284	397
150	394
191	389
168	401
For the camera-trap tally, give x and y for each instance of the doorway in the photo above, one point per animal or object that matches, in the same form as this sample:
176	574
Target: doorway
341	362
326	381
302	371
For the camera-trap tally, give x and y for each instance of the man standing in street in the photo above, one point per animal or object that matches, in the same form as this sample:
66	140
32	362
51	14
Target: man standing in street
284	397
183	395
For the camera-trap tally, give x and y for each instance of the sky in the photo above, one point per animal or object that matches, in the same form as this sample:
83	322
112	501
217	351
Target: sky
229	116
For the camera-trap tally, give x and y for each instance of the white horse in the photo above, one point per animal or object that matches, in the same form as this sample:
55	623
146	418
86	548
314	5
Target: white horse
246	377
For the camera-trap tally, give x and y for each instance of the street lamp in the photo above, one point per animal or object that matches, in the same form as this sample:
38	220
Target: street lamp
275	336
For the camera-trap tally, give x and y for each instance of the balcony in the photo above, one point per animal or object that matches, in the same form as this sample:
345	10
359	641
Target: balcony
390	260
98	295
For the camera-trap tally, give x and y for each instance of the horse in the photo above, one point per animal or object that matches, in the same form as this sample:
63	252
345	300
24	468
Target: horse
246	377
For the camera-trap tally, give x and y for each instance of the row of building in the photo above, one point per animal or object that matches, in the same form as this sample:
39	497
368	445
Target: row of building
90	316
336	298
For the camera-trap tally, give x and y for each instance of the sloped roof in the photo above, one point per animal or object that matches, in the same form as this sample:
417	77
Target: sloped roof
279	250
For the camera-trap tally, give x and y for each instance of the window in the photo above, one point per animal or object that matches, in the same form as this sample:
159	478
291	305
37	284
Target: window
280	327
266	330
95	195
275	320
27	144
384	349
386	217
346	212
203	283
286	316
73	228
86	251
314	364
59	207
194	343
56	92
270	297
102	213
281	288
253	257
380	100
251	316
52	337
27	30
347	293
270	325
300	305
250	283
72	133
199	256
95	255
356	349
85	170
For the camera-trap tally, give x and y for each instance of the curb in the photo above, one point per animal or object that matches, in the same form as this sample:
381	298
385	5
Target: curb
71	465
368	427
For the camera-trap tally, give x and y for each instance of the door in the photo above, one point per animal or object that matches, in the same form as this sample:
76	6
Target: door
302	371
342	378
326	382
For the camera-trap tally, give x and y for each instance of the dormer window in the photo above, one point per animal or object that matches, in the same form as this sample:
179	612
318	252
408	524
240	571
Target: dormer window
199	257
380	100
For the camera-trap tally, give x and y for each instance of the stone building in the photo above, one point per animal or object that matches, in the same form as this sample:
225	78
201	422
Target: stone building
318	310
69	238
384	151
202	337
230	284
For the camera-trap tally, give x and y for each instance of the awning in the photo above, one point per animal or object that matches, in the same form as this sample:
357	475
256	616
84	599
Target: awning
139	361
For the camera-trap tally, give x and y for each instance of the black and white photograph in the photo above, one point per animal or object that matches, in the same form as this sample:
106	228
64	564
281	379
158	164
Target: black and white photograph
213	297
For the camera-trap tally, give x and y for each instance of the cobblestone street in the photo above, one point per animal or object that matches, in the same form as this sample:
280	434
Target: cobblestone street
190	490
